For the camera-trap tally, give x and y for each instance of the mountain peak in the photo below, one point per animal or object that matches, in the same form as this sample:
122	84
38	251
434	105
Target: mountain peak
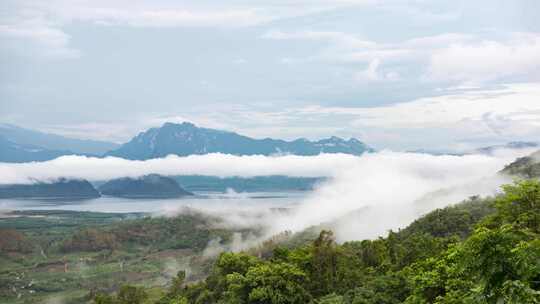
187	139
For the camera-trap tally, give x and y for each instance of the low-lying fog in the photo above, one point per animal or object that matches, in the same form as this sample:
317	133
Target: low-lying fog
363	198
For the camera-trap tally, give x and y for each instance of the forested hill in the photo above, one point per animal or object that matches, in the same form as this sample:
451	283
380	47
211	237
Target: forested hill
527	167
148	186
481	251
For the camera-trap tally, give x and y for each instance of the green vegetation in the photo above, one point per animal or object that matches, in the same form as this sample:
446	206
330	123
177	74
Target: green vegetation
479	251
148	186
526	167
62	188
482	251
75	255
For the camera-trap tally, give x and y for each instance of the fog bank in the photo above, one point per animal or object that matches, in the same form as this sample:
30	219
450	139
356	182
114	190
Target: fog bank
216	164
380	191
365	197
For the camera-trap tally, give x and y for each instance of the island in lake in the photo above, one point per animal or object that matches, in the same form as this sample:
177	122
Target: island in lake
62	188
148	186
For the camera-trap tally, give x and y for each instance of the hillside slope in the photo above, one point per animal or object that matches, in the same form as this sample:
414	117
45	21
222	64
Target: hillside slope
11	152
23	136
527	167
453	255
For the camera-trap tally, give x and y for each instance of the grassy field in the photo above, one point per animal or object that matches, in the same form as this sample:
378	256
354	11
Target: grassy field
66	256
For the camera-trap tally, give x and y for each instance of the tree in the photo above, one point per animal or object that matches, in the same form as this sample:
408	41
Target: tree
178	283
275	283
323	271
131	295
520	205
126	295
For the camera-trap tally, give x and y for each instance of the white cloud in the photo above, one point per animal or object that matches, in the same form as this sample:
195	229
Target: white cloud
340	38
462	114
163	13
349	47
454	108
487	60
365	196
389	190
210	164
44	40
372	73
175	17
375	193
457	57
43	22
508	113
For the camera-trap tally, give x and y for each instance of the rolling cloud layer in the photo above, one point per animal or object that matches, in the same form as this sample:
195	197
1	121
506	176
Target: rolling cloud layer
223	165
364	197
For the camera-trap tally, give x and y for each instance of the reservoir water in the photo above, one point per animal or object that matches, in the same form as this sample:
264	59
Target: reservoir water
202	200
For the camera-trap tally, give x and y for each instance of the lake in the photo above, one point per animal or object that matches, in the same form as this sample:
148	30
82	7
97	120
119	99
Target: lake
202	200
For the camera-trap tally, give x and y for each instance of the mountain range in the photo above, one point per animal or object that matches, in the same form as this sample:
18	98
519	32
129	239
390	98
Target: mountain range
47	141
23	145
11	152
510	145
187	139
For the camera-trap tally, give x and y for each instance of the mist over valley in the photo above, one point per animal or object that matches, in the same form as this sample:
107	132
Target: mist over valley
269	152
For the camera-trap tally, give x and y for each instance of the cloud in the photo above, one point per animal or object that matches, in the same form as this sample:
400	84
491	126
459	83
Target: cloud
469	116
461	114
175	17
344	47
166	14
216	164
447	57
483	61
372	73
503	114
340	38
389	190
41	25
38	28
42	40
222	165
363	198
374	193
452	108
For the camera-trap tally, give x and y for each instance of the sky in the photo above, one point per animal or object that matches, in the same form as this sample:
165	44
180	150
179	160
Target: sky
396	74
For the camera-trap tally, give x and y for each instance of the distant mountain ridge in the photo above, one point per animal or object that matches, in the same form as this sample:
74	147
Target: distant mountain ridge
187	139
11	152
55	142
488	150
510	145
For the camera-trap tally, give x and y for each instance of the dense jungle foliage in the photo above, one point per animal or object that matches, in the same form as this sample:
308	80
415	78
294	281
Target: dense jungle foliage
481	251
